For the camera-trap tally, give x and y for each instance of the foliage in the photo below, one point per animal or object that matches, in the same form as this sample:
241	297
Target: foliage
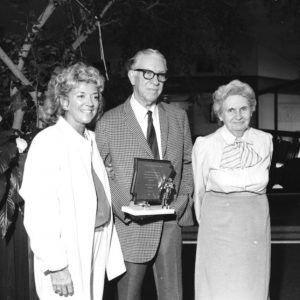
48	51
11	166
189	33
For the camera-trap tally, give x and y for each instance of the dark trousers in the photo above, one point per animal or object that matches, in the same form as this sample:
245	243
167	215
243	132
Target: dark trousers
166	265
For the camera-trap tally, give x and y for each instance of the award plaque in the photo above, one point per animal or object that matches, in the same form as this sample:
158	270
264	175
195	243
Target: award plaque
148	180
152	188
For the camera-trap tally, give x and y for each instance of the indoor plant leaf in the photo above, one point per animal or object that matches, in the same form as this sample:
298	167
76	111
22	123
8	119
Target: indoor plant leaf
7	153
7	211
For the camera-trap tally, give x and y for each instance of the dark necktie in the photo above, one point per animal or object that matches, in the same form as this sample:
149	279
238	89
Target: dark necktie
151	136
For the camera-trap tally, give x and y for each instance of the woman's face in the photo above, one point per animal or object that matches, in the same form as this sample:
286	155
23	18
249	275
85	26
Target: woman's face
81	106
236	114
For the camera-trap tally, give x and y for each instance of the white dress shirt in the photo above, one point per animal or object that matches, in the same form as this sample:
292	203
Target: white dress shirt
140	113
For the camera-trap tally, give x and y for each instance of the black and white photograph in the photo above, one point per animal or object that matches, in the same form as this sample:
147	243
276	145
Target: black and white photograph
150	149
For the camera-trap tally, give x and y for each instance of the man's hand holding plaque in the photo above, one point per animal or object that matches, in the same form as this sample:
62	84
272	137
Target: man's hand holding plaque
152	188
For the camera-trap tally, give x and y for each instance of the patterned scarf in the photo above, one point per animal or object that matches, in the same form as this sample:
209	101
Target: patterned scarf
238	155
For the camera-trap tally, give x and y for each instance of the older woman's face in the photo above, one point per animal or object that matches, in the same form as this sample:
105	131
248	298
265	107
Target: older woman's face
82	105
236	114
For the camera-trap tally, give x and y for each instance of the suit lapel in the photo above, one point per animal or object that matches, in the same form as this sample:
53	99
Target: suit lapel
134	127
164	129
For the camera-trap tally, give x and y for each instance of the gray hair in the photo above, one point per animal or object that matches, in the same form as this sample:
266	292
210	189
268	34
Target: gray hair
234	87
131	61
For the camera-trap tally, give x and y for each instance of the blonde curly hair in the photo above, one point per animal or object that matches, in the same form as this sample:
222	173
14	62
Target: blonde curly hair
62	81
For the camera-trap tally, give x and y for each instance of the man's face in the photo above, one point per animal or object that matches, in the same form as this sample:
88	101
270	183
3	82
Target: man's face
146	91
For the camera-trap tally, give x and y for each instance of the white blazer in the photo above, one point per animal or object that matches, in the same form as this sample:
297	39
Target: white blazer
60	210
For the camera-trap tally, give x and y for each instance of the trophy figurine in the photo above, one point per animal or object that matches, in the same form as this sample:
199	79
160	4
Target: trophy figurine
167	191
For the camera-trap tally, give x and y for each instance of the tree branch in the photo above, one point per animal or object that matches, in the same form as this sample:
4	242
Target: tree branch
35	29
153	5
90	30
83	37
106	8
109	23
14	69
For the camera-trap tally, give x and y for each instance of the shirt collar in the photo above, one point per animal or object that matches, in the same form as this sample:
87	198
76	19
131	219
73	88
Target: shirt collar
140	111
72	133
230	138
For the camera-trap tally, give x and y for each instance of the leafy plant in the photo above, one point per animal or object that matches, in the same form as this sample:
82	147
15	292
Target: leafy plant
9	181
13	146
187	32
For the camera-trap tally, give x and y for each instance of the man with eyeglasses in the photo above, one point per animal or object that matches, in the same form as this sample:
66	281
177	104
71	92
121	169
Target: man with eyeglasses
145	128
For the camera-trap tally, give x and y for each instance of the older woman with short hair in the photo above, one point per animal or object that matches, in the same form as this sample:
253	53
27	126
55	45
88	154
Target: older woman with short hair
68	213
230	175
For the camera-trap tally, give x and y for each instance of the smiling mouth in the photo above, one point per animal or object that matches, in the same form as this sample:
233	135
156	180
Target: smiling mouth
88	111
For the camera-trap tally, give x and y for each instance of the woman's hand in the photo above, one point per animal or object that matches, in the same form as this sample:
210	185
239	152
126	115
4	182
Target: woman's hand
62	282
110	171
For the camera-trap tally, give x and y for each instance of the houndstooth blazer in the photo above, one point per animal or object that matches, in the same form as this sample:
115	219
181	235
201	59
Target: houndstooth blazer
120	139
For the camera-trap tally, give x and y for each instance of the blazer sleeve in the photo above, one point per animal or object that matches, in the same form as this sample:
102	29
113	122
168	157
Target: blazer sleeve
184	201
42	204
119	197
200	173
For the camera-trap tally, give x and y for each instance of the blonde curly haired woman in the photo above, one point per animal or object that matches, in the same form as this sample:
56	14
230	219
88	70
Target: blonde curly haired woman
68	213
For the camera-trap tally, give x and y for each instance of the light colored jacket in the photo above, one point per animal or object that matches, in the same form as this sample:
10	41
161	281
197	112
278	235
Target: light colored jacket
60	209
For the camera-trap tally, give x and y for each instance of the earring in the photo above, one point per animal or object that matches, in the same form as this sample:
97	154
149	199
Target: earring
65	105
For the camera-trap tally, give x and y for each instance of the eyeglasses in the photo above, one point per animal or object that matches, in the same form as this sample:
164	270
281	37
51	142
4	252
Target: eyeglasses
148	74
